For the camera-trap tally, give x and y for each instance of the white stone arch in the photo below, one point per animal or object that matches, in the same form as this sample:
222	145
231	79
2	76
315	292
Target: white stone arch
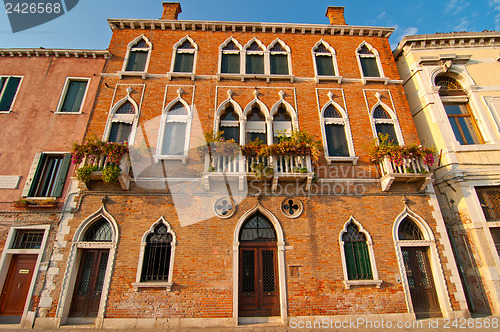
377	58
394	120
263	51
456	72
131	119
289	109
369	243
70	275
333	55
175	49
343	121
240	52
239	111
167	284
287	51
175	118
129	49
281	260
265	111
434	260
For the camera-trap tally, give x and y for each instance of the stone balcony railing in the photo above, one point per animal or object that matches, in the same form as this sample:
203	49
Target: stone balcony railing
100	162
283	168
412	170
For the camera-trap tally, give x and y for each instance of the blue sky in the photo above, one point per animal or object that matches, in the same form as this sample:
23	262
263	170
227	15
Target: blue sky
86	27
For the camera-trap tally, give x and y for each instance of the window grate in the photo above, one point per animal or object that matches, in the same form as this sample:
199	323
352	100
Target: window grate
258	228
229	115
380	113
282	115
254	47
100	231
28	239
321	49
126	108
365	50
140	44
186	46
332	112
408	230
277	48
231	46
156	263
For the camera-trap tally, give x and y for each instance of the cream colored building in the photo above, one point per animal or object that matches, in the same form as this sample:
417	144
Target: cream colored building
452	83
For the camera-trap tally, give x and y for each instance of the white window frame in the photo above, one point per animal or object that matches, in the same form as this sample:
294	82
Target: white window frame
125	118
177	118
333	55
240	52
65	91
143	74
393	120
261	52
369	243
15	96
220	123
344	121
289	109
194	51
376	55
161	284
268	122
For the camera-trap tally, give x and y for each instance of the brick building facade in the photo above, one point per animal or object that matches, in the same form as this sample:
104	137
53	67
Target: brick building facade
244	238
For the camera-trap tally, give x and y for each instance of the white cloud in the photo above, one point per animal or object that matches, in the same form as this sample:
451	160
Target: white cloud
495	4
400	33
462	25
381	15
455	7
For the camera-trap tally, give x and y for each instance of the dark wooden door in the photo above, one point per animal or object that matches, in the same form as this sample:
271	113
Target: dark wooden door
88	286
421	283
258	281
17	284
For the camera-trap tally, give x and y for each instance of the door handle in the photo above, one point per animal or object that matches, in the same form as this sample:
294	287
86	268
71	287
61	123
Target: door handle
19	285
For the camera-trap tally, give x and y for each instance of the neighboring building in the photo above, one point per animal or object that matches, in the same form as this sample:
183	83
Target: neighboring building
196	238
46	99
453	89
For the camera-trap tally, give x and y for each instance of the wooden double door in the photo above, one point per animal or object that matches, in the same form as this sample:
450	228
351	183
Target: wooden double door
258	280
17	283
89	283
421	283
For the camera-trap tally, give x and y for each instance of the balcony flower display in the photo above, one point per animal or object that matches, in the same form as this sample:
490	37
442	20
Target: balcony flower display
397	154
216	144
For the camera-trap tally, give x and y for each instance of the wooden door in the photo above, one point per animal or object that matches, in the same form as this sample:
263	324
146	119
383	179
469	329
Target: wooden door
89	283
421	283
17	284
258	281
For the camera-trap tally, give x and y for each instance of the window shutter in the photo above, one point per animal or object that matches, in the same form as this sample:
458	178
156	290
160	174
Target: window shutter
32	174
324	65
255	64
230	64
336	140
9	92
279	64
137	61
74	96
350	260
370	68
61	177
183	63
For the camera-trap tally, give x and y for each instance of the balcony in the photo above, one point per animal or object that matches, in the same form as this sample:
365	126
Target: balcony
284	168
411	170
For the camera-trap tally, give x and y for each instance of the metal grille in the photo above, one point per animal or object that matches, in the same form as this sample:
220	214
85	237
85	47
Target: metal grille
365	50
100	231
177	109
277	48
409	272
380	113
231	46
85	274
101	272
126	108
256	115
321	49
353	235
140	44
446	82
248	261
290	207
356	254
254	47
424	274
258	229
186	46
282	114
489	197
268	271
229	115
28	239
408	230
156	263
331	112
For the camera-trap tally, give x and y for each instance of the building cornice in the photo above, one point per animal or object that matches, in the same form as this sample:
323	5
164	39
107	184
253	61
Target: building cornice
42	52
251	27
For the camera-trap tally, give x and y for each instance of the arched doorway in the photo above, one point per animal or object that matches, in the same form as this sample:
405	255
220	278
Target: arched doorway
259	294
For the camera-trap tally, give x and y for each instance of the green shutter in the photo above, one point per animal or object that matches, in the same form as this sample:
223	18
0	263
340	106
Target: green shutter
74	96
61	177
230	64
363	261
137	61
370	67
324	65
34	171
279	64
254	64
8	93
183	63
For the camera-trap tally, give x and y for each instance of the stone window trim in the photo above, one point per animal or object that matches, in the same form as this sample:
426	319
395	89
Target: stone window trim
65	91
333	55
344	121
393	120
376	55
3	91
149	47
168	284
163	122
369	243
237	109
239	52
132	119
176	50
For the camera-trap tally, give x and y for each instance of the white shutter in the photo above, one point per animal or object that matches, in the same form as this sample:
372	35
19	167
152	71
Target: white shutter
31	174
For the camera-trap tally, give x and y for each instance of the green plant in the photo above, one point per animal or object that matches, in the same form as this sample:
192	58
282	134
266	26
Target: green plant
94	148
21	203
216	144
300	170
83	173
261	170
110	173
211	169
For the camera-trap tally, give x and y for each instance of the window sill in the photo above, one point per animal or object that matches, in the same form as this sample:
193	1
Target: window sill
384	80
329	78
353	160
349	283
157	158
166	285
142	74
187	75
268	78
74	113
4	112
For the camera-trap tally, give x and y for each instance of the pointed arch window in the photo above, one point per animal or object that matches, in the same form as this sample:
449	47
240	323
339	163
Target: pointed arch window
137	57
456	105
384	124
121	123
408	230
256	125
335	133
173	138
257	228
368	59
278	59
254	60
99	231
356	254
230	58
230	124
184	56
282	123
324	60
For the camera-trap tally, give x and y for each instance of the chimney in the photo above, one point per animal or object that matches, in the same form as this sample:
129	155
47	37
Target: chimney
336	15
171	10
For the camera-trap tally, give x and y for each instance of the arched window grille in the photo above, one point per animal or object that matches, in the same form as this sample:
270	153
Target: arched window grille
357	258
157	255
99	231
257	228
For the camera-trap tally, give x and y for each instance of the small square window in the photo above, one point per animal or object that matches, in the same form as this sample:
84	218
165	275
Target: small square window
28	239
73	96
8	90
